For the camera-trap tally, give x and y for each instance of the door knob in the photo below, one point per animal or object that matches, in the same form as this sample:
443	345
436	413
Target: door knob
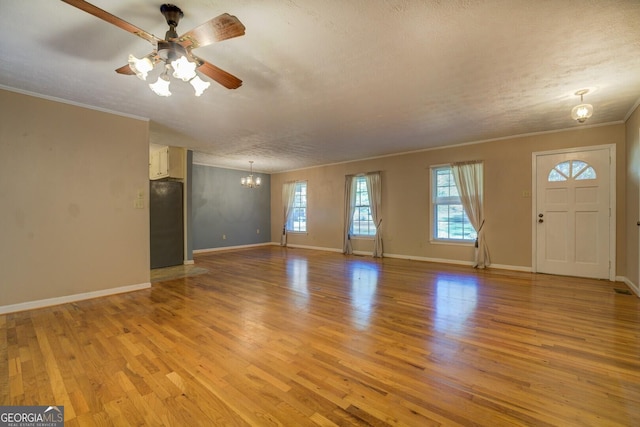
541	220
540	215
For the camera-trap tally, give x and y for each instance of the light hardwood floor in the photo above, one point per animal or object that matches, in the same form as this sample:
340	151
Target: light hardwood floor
294	337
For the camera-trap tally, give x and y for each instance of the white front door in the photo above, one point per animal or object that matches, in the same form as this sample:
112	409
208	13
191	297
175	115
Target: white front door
572	213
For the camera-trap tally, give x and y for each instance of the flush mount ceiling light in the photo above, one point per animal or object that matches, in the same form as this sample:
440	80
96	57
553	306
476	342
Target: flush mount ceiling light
250	181
174	53
583	111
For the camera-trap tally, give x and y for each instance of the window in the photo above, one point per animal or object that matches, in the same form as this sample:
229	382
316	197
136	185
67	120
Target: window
297	221
362	222
450	223
571	169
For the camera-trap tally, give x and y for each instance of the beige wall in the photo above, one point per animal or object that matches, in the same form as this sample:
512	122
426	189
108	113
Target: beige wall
632	190
405	210
68	180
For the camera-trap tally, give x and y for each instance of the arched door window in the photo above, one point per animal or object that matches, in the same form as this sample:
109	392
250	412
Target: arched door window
571	169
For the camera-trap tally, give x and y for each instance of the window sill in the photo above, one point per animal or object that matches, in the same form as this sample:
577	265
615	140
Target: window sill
362	237
453	242
296	232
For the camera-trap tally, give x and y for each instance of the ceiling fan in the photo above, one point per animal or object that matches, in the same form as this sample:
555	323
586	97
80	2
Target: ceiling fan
174	51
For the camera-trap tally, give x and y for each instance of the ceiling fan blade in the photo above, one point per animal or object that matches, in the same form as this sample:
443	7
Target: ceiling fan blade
220	28
112	19
225	79
125	69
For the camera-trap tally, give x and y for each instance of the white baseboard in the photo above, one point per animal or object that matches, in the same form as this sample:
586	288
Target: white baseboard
635	288
511	267
31	305
188	262
317	248
458	262
417	258
427	259
226	248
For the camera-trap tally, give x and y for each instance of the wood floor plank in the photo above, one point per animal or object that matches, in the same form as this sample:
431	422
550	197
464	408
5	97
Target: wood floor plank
280	336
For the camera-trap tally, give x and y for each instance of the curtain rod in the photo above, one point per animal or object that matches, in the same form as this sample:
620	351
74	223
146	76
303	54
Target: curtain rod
362	173
468	162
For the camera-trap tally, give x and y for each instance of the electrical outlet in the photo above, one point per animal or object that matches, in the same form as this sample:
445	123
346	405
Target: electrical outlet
224	237
258	231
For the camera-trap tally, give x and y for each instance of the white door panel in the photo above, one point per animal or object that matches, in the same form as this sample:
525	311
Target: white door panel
572	213
555	235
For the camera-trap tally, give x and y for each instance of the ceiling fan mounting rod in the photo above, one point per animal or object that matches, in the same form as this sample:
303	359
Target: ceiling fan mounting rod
172	14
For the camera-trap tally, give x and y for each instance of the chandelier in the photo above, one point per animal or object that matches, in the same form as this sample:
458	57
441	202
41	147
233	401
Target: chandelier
176	60
250	181
583	111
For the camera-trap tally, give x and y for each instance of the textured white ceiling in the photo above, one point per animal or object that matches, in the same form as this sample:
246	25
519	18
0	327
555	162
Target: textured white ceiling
337	80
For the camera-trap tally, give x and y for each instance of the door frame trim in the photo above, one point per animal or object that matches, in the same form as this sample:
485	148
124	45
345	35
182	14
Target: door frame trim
612	201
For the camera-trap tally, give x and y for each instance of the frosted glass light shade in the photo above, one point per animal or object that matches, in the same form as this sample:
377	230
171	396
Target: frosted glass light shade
140	66
582	112
161	87
199	85
183	69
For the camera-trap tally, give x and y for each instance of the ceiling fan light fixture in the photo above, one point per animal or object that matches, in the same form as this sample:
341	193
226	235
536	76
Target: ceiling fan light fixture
199	85
183	69
161	86
140	66
582	111
175	51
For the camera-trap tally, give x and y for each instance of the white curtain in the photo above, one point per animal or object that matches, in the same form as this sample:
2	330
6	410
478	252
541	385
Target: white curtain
349	208
288	193
374	188
469	181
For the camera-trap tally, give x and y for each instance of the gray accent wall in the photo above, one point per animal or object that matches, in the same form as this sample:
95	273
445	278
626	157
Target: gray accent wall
188	228
221	208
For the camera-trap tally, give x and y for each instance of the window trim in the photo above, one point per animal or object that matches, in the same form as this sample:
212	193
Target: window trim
355	196
433	239
306	210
